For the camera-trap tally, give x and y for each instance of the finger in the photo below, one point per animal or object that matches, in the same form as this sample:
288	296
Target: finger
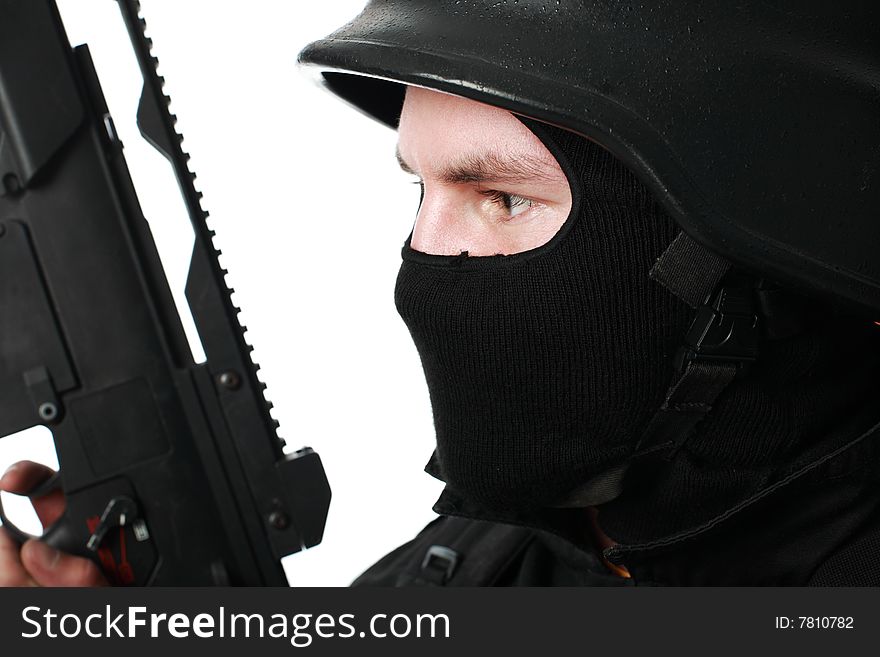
24	476
12	571
49	507
51	567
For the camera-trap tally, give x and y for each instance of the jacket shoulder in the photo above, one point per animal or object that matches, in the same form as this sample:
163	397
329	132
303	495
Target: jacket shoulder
451	551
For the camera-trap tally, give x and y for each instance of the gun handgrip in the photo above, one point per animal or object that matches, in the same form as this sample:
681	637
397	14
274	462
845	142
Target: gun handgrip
56	535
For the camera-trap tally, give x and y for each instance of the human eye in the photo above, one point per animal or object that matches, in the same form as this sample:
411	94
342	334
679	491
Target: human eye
512	204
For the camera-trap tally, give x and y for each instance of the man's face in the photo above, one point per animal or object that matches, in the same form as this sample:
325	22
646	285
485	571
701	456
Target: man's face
490	186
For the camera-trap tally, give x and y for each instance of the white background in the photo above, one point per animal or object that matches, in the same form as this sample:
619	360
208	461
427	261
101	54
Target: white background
310	212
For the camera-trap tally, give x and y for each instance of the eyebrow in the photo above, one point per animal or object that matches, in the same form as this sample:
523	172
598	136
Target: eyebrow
490	167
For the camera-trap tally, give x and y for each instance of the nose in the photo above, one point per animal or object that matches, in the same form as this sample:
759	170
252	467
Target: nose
445	226
432	232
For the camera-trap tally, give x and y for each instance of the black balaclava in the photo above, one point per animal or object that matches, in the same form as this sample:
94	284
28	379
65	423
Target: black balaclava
544	367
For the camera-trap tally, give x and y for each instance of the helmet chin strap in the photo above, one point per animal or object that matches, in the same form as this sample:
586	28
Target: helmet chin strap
720	345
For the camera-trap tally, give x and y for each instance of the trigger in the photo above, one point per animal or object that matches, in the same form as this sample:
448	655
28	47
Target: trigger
120	511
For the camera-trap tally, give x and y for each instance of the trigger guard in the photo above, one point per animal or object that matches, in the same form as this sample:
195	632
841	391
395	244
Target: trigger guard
50	534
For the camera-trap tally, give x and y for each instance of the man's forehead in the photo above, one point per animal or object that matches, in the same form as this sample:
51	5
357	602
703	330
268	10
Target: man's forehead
455	139
486	164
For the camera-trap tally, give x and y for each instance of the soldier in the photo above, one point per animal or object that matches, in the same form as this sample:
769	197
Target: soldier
666	373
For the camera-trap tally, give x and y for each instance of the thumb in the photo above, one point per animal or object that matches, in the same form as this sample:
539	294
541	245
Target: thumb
51	567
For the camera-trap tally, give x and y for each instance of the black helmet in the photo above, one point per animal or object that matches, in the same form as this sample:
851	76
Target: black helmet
756	124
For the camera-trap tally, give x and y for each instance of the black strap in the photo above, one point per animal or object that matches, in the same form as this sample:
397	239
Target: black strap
689	400
721	343
688	270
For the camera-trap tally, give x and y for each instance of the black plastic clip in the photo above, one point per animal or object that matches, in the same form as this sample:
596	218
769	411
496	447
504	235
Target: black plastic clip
724	330
439	564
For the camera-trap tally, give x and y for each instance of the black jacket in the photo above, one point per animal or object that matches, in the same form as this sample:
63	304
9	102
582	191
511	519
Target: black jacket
817	523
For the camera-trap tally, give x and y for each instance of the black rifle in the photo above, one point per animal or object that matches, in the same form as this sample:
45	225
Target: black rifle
173	471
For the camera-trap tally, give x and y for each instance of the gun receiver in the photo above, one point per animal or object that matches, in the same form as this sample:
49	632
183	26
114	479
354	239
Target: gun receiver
172	471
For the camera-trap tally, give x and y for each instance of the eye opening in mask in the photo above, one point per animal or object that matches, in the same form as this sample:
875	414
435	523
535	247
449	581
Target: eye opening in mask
464	261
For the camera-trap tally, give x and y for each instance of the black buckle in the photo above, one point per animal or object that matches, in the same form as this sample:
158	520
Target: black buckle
439	563
724	330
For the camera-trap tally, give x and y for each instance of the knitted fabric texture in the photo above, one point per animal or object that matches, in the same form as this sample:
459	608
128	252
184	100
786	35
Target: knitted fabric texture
793	406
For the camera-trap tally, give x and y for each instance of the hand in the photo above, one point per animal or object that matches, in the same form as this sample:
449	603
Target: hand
35	563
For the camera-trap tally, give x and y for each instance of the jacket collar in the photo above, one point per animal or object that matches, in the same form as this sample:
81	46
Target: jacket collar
778	535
